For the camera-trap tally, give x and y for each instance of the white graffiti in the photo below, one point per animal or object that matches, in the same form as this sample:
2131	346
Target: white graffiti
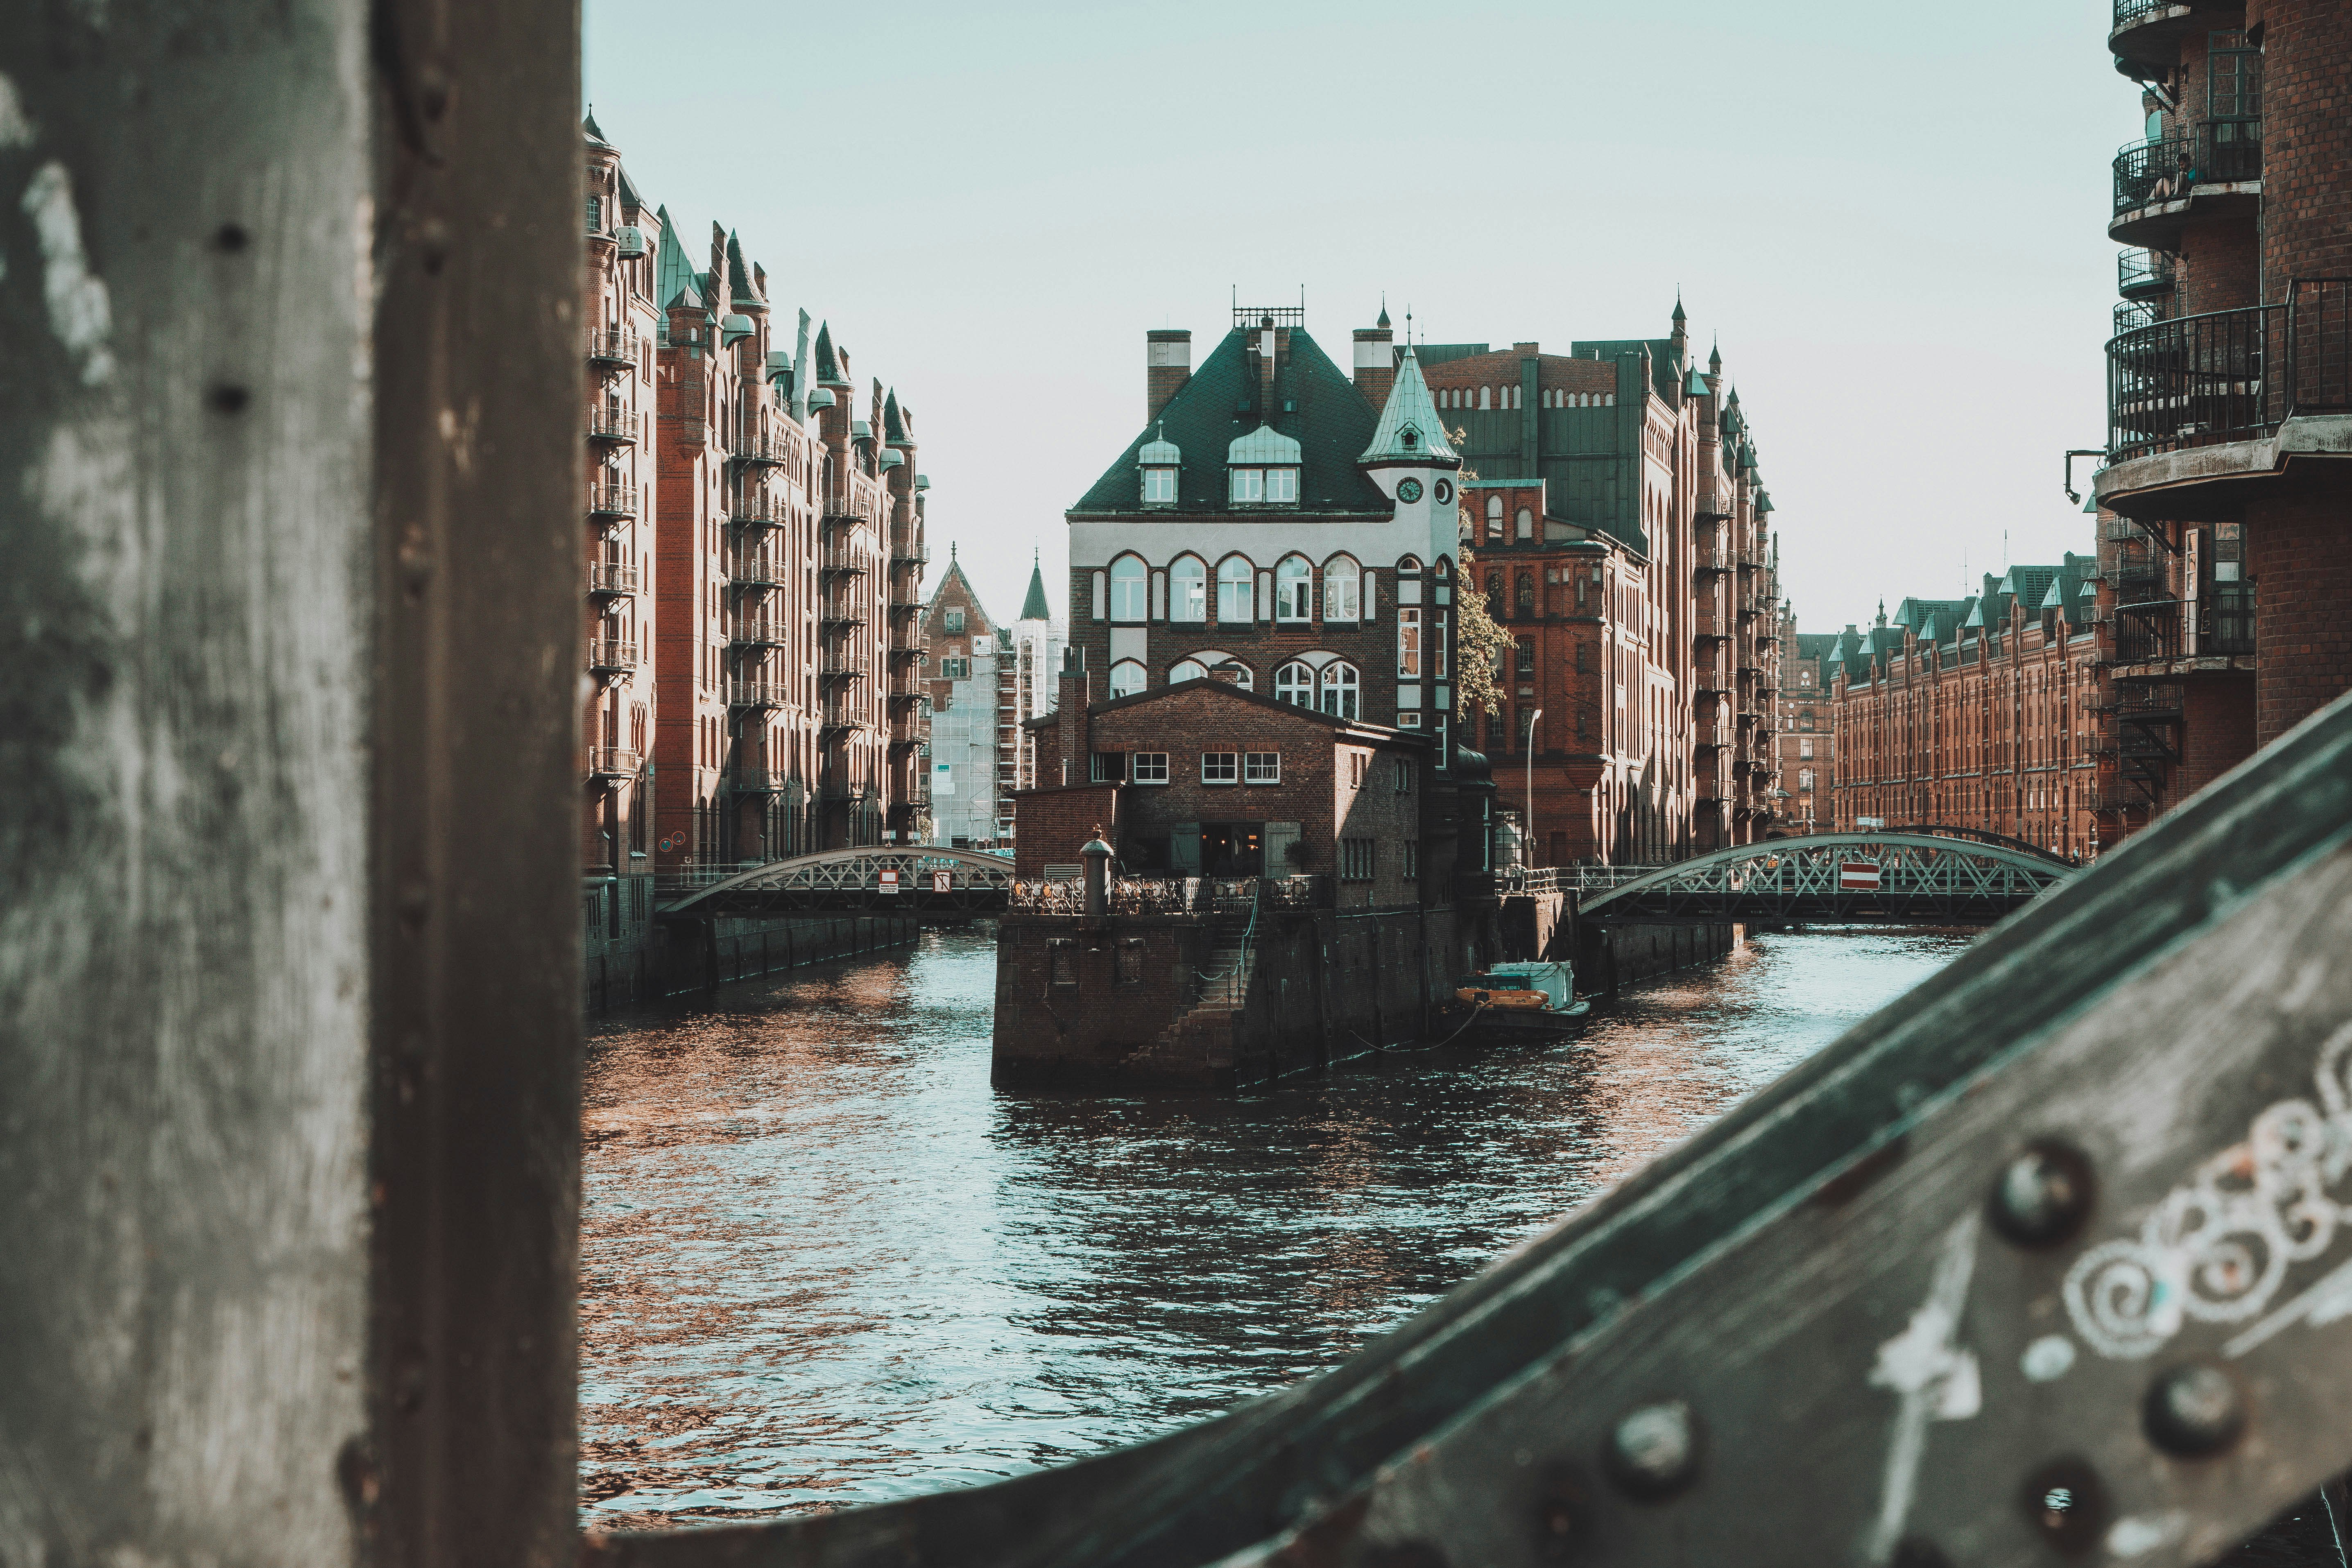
2218	1248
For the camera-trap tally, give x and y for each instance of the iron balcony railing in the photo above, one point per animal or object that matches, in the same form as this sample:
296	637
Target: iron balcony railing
2140	273
612	346
838	667
2319	343
2219	152
610	501
760	449
838	716
755	573
607	657
758	694
614	762
1716	560
843	505
1709	626
757	781
841	617
612	580
760	511
758	631
909	555
2230	375
617	426
842	563
2134	314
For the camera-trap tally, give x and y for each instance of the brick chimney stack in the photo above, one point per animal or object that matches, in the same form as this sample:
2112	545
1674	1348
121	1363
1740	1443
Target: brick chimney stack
1168	359
1376	360
1075	729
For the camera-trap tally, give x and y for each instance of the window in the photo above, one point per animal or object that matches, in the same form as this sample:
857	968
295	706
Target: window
1126	677
1108	767
1063	954
1185	670
1527	525
1805	748
1131	961
1294	589
1403	776
1408	566
1295	683
1356	859
1187	590
1495	517
956	668
1220	767
1411	859
1159	486
1339	686
1407	642
1260	487
1527	596
952	620
1130	586
1356	770
1282	485
1495	595
1526	659
1804	778
1342	585
1149	768
1262	767
1235	589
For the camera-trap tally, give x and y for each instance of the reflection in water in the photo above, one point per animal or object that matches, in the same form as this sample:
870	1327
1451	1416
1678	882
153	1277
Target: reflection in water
823	1263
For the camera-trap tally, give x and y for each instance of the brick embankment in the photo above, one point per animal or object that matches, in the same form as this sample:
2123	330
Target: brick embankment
1611	957
700	955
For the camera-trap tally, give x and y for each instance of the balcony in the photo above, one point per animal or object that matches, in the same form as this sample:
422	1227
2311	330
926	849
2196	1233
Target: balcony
758	694
838	667
841	506
2143	274
838	719
909	731
2146	33
1707	625
608	658
759	631
760	451
2134	314
613	427
756	575
611	503
842	563
612	348
763	511
837	618
904	555
758	781
608	580
2155	199
614	762
1716	560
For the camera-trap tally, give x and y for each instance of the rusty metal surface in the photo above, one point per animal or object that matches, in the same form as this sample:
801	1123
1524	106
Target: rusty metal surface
475	802
1313	1453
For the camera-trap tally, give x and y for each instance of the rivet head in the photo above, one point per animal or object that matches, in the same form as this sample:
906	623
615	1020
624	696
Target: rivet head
2042	1195
1654	1452
2194	1409
2066	1505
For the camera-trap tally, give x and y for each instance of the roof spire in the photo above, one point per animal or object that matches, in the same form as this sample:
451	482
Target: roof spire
1679	317
1033	607
1384	309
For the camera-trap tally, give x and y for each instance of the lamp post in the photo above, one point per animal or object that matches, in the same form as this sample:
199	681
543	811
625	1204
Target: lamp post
1529	856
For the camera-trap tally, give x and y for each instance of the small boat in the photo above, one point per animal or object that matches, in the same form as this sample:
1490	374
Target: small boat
1518	1001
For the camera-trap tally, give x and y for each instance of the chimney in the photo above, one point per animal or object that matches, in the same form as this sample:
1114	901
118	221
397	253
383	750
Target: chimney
1269	359
1168	358
1074	727
1376	361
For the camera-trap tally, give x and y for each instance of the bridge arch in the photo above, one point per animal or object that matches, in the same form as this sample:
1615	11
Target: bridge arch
852	878
1828	876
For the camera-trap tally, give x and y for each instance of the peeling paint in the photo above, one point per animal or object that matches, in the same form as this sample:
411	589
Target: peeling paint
79	312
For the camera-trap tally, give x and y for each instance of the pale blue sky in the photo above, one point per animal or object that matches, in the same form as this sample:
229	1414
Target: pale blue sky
1892	215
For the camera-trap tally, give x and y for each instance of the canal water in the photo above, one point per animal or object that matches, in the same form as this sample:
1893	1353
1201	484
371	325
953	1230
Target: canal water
823	1263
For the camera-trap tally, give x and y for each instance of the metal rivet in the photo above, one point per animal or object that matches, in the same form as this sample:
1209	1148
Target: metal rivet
230	238
2042	1197
228	398
2194	1409
1652	1452
2066	1504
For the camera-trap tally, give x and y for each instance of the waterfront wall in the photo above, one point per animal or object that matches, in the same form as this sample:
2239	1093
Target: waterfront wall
685	955
1122	1000
1609	956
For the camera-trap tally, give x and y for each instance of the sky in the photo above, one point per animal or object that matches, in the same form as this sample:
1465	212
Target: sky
1892	217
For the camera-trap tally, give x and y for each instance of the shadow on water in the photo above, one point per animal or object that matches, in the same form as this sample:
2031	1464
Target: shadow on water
822	1262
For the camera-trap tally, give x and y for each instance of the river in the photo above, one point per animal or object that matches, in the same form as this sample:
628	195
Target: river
823	1263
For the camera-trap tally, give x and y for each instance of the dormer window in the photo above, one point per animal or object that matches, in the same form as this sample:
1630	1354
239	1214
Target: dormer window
1263	468
1409	436
1160	486
1159	460
1265	487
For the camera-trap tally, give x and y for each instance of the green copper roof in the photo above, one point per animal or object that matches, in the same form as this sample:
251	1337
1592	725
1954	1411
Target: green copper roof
1695	385
1409	429
894	421
674	274
739	279
1160	452
1033	607
828	364
1263	445
596	132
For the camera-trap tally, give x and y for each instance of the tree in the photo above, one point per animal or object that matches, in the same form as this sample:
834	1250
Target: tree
1479	646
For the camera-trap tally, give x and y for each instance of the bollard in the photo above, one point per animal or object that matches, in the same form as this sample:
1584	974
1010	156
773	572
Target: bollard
1096	855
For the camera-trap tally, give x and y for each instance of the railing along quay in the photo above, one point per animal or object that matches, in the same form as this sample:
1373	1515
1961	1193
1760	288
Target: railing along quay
1173	895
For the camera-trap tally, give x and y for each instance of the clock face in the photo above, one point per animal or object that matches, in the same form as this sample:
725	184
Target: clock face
1409	491
1444	493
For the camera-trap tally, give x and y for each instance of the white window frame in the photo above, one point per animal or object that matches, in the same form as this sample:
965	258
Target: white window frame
1246	487
1130	596
1340	698
1218	769
1261	767
1185	670
1129	671
1407	642
1298	676
1282	485
1342	590
1294	593
1147	768
1159	486
1241	585
1188	597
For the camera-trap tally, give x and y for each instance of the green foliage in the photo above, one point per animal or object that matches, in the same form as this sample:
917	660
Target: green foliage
1478	646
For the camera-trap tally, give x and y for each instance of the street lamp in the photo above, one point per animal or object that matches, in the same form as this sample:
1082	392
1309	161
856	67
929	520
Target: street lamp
1529	857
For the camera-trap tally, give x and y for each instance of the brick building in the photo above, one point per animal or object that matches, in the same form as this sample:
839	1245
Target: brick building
2226	491
618	726
1982	713
1804	738
961	695
1620	532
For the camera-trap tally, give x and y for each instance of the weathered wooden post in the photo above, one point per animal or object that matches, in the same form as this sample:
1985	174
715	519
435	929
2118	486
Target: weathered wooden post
289	945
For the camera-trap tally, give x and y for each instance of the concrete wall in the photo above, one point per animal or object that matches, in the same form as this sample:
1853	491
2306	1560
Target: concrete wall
1611	957
700	954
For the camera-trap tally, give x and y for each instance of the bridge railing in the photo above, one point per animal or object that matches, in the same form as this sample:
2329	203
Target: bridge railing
1171	895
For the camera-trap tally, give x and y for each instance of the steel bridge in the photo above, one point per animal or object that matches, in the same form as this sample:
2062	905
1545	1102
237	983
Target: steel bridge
1919	876
916	879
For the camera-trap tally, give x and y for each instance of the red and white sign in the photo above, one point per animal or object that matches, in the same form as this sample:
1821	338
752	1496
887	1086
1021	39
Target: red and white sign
943	881
1858	876
891	880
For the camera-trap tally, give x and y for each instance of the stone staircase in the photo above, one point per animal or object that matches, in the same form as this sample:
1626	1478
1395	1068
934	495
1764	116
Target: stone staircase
1205	1029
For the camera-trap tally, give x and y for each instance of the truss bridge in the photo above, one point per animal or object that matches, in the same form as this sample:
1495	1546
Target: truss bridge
919	879
1926	878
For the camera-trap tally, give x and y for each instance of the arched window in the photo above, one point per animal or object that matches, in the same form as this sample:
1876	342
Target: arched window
1126	677
1295	683
1486	398
1131	589
1526	524
1294	589
1342	589
1340	685
1494	517
1185	670
1408	566
1527	594
1235	591
1187	590
1495	593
